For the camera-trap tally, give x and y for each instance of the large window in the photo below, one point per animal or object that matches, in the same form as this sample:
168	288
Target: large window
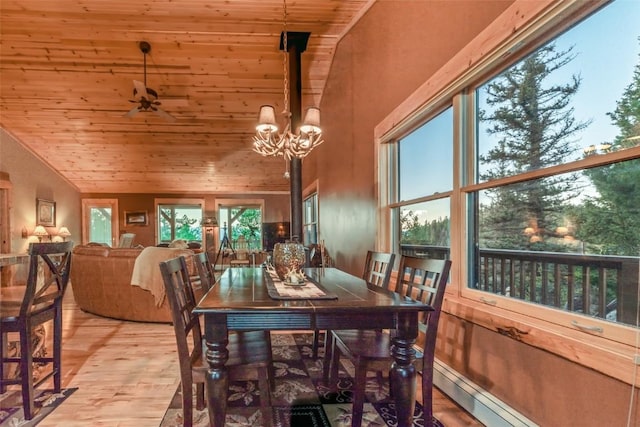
425	162
179	220
561	225
541	193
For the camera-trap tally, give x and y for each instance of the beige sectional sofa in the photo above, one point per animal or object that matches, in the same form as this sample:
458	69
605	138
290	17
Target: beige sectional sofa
101	283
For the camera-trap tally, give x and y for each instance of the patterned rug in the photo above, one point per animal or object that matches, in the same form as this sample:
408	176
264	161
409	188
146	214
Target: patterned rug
300	398
12	415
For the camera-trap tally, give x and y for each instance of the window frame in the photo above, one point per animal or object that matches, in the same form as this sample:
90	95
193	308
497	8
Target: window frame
311	190
236	203
395	203
519	30
178	201
306	222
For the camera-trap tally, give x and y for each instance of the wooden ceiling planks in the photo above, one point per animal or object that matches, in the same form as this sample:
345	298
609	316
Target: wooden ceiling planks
67	76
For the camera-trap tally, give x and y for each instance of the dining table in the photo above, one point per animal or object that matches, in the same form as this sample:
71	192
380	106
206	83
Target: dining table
247	299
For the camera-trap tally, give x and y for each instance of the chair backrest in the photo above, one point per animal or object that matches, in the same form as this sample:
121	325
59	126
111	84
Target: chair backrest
48	277
425	280
175	275
241	247
126	240
205	270
377	268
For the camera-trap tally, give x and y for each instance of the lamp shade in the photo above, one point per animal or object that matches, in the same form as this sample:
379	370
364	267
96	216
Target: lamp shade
40	231
64	232
311	123
267	119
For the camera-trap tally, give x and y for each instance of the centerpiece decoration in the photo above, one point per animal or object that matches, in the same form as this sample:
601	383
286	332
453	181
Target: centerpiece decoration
288	260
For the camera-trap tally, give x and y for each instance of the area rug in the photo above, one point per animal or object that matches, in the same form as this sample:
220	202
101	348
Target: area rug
46	401
300	398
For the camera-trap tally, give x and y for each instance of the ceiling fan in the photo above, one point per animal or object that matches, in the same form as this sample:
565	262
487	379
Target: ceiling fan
145	97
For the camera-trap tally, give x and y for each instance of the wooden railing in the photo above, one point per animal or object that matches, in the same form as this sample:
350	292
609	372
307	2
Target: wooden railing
598	285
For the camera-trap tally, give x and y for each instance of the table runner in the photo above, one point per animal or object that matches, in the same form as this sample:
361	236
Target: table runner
312	290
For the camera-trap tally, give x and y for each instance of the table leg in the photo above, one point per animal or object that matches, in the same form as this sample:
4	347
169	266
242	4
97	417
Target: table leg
403	372
217	378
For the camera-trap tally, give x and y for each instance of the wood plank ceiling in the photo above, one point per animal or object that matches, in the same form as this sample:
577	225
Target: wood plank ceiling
67	70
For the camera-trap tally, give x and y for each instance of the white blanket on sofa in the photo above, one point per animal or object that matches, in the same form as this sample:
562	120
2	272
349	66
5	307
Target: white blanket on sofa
146	270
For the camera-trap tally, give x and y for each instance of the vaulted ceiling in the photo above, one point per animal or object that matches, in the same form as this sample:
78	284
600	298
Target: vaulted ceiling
67	69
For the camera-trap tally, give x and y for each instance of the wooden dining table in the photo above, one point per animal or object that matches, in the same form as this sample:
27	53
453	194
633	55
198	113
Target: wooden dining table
244	299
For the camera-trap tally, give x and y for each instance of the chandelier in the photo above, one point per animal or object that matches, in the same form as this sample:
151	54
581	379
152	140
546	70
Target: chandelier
267	141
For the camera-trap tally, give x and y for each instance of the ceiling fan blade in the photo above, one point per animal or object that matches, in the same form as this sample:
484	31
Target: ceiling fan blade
140	89
168	117
132	112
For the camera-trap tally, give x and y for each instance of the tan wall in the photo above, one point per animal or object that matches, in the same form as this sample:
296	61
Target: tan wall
548	389
388	54
394	49
30	179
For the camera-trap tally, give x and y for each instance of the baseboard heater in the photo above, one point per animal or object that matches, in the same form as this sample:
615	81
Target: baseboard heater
485	407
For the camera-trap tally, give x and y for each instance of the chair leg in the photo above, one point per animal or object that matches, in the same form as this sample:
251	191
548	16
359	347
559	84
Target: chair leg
316	341
57	350
264	384
187	404
427	397
3	347
26	372
334	366
328	357
359	387
200	405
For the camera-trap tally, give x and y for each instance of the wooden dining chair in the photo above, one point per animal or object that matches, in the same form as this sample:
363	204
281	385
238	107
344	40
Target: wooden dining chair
420	279
23	309
204	266
248	351
377	272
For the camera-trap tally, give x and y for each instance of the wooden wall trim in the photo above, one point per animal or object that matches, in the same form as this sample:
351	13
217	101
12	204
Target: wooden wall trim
613	359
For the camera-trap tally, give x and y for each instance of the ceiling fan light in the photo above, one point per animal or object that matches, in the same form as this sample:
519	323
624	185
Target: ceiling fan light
267	119
311	123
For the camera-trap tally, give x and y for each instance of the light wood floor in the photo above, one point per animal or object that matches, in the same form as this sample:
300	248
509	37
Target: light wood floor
126	374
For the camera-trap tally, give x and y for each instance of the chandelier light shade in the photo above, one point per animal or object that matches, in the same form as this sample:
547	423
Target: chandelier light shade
311	123
291	142
267	120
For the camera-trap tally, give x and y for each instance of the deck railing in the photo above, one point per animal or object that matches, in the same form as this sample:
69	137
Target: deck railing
597	285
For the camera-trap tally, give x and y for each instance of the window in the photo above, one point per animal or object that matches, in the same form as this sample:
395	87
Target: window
100	221
241	220
545	193
557	221
310	219
179	219
425	181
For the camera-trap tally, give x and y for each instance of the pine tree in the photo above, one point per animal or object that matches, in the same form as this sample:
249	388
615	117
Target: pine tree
611	220
535	127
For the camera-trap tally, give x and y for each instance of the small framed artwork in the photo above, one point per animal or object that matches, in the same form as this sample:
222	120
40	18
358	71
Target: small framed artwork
136	218
45	213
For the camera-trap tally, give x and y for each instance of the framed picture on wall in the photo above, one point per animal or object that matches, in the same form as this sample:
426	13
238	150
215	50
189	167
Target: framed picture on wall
45	213
136	218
